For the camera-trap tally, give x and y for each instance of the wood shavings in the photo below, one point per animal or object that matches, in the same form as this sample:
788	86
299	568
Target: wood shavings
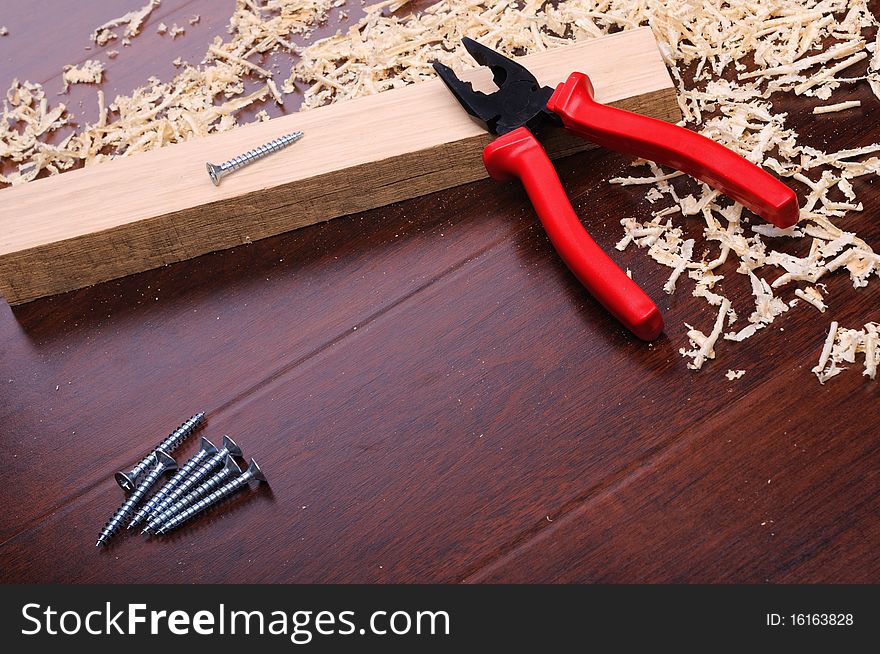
840	106
826	353
837	52
811	295
734	374
195	20
686	251
273	89
161	28
3	30
779	37
871	341
199	100
133	22
90	72
384	51
176	31
702	345
228	56
843	345
391	5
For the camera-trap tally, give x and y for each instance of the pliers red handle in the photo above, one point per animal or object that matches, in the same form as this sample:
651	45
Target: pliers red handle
521	104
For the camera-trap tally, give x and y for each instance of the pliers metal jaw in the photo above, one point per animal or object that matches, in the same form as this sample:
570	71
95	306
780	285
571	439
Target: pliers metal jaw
521	105
519	101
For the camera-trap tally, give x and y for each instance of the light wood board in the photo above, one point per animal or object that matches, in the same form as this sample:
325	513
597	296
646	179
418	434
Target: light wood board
133	214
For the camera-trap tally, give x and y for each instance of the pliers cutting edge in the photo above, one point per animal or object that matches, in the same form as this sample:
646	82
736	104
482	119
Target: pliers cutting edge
521	105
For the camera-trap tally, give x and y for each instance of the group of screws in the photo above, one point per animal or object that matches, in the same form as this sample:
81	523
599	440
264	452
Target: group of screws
209	476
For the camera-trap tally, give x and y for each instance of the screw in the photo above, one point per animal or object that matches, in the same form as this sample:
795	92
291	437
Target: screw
217	172
163	463
231	469
207	449
227	489
204	469
127	480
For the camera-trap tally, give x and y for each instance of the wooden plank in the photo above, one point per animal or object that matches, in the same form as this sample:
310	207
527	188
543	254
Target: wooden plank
129	215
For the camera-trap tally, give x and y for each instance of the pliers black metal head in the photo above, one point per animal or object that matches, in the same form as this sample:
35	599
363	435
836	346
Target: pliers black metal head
520	100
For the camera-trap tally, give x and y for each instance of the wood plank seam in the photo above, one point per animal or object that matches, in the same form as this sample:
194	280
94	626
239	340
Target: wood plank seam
530	537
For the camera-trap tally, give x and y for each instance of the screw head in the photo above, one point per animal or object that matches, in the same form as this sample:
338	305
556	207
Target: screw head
208	446
256	472
231	465
166	461
215	172
125	482
231	446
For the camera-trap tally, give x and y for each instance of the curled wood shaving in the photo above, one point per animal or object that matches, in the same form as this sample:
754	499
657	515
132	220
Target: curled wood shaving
813	296
703	347
840	106
843	345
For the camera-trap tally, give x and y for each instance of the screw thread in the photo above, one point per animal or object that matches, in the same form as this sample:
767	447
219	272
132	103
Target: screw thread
258	153
175	438
129	505
211	483
193	479
169	486
171	443
207	501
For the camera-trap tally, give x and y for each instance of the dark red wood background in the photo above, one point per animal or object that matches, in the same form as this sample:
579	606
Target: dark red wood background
431	394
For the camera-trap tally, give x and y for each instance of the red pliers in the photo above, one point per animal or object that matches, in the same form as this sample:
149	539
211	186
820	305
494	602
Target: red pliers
521	105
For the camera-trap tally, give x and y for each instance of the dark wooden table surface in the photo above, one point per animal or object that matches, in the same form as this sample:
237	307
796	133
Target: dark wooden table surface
431	394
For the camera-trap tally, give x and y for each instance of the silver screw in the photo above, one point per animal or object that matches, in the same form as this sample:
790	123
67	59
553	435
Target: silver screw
207	449
204	469
163	463
231	469
217	172
227	489
127	480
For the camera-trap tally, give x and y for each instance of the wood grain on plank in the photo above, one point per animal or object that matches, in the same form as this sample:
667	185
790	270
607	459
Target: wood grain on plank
133	214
